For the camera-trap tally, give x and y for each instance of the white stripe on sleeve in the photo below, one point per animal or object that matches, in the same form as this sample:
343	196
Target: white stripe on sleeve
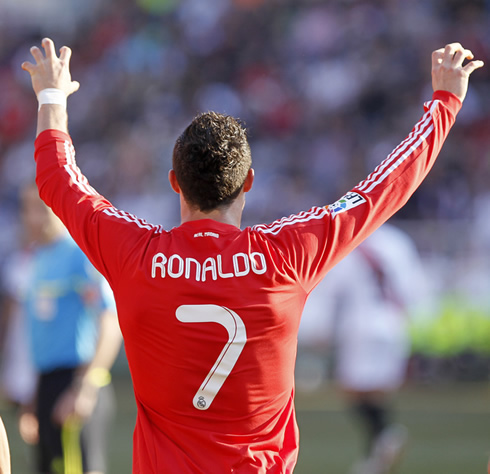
420	132
304	216
113	212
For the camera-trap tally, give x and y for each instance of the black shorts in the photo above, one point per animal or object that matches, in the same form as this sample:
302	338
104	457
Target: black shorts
92	437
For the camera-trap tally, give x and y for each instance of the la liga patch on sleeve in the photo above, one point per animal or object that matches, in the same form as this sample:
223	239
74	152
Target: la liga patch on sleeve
345	203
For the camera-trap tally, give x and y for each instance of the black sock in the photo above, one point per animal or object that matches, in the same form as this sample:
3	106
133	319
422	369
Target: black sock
374	417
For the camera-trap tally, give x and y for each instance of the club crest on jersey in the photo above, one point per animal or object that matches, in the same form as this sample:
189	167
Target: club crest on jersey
346	202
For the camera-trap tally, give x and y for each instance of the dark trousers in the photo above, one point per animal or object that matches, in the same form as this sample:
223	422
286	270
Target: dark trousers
94	432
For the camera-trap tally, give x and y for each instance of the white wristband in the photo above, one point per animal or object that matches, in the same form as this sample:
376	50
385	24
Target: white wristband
51	96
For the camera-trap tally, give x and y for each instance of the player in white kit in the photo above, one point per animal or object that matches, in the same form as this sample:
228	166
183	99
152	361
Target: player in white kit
368	298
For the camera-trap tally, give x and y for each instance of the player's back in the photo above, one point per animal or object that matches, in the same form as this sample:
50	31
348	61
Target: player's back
210	314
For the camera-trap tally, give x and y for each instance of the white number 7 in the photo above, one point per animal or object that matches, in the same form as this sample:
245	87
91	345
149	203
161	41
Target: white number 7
237	337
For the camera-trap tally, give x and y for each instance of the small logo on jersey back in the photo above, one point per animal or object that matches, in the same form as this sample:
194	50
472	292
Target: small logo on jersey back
201	402
345	203
206	234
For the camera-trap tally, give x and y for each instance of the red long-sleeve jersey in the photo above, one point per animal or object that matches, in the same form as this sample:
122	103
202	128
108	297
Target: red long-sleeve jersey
210	313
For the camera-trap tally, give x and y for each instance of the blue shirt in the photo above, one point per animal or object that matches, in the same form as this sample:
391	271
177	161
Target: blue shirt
63	301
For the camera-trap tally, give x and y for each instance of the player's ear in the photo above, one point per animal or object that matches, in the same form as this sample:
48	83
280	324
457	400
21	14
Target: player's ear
173	181
247	186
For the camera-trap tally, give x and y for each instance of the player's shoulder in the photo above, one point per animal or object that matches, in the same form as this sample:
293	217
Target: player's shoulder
131	221
313	216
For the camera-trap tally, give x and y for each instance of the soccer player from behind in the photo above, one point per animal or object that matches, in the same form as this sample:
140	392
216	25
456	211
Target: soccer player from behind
209	312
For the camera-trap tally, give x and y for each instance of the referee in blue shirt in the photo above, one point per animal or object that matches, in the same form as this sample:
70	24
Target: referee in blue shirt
74	338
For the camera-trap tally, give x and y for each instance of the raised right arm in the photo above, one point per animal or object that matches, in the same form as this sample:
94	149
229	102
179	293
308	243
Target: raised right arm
318	239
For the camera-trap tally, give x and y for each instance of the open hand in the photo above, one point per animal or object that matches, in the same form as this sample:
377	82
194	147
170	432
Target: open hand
51	71
448	72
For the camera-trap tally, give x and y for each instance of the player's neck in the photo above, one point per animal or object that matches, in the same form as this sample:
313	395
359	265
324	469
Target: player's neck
231	214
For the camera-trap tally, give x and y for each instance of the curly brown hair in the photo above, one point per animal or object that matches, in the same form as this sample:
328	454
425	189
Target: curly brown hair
211	160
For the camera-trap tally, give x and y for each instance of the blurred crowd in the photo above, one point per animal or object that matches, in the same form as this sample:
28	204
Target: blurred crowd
326	89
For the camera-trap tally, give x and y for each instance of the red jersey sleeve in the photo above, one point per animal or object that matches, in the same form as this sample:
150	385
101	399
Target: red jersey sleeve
105	234
313	242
